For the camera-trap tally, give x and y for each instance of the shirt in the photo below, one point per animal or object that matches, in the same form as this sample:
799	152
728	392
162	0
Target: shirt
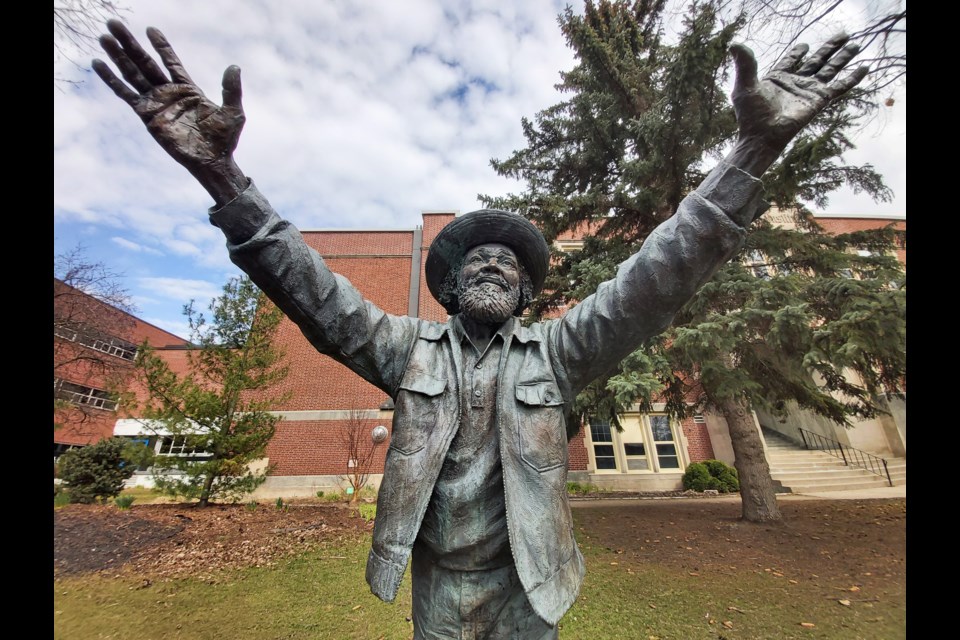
465	524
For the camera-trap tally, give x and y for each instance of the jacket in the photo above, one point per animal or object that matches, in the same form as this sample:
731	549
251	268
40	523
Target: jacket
542	368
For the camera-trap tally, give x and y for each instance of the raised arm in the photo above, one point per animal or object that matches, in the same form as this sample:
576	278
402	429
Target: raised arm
709	227
202	136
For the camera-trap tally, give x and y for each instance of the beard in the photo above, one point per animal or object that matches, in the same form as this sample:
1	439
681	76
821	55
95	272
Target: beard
488	302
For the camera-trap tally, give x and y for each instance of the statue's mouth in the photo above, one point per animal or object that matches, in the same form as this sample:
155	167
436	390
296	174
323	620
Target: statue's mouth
500	282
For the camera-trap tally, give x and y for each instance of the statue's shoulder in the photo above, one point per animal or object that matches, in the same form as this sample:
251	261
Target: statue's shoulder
432	330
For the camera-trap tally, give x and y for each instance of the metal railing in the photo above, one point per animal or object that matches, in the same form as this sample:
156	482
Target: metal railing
850	455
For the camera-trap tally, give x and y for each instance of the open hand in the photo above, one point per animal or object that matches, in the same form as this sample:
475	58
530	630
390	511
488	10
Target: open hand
771	111
196	132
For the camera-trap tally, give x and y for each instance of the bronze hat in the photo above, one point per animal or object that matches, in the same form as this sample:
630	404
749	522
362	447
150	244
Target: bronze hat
486	226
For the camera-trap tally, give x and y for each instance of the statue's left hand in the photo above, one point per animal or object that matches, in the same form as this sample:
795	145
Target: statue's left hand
771	111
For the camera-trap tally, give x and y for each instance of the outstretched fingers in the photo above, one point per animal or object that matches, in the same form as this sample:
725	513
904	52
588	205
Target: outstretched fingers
169	57
815	62
833	66
848	82
790	61
150	70
123	92
131	73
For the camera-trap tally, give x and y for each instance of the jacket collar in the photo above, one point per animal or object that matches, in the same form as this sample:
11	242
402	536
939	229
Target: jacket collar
512	327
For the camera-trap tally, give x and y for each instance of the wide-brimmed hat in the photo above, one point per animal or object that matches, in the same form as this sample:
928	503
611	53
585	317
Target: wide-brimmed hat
486	226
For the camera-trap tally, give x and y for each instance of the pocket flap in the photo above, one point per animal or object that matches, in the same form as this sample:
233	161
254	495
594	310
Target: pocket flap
542	394
424	383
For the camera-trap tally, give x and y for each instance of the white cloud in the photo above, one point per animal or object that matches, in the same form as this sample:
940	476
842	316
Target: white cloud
353	119
133	246
180	289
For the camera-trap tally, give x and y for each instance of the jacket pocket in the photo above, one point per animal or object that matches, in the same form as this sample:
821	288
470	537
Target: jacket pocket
415	411
540	429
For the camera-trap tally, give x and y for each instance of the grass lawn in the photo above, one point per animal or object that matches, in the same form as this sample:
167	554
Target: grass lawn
322	594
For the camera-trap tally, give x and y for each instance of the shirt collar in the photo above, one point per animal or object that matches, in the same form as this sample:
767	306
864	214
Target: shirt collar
506	330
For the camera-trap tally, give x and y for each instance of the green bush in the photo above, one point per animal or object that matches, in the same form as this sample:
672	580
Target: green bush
61	497
319	494
367	511
711	474
333	496
123	502
98	471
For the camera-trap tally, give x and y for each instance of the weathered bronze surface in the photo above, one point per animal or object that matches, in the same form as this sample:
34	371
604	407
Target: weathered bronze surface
475	478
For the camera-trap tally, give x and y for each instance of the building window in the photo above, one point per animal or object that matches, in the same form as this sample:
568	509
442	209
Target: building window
602	439
99	341
178	446
757	263
667	457
647	443
85	396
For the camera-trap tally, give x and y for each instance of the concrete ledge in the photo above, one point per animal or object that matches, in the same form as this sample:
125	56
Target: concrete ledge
305	486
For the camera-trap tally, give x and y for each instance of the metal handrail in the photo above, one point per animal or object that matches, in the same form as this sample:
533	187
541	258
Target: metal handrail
849	455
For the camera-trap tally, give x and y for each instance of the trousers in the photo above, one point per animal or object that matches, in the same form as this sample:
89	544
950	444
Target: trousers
487	604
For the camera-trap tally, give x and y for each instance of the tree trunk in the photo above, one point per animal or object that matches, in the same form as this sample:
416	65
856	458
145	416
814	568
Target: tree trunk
207	488
757	493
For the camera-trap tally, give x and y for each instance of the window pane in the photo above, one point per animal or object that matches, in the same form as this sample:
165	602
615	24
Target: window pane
600	432
669	462
661	428
603	450
634	448
606	463
666	450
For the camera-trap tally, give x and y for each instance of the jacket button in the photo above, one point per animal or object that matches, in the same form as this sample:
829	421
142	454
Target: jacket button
478	393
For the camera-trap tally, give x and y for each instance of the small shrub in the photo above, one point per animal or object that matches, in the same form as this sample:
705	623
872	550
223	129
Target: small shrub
280	504
333	497
123	502
61	497
319	494
711	474
367	511
98	471
252	505
574	488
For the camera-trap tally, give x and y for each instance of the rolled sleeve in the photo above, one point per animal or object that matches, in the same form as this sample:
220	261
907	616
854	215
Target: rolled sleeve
330	312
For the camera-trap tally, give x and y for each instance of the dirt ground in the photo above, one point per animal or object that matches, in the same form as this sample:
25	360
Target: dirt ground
863	540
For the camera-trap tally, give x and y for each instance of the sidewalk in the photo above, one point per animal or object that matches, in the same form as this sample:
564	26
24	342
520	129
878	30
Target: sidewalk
854	494
875	493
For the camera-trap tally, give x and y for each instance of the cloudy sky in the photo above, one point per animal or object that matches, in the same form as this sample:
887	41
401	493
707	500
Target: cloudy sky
359	114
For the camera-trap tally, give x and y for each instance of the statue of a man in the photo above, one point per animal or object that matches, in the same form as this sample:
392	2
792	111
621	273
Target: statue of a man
474	483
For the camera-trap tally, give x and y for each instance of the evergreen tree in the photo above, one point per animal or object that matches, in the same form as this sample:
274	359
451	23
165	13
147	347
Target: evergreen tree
217	412
614	160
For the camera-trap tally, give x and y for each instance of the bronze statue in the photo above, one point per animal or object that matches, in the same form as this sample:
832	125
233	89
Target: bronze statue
474	483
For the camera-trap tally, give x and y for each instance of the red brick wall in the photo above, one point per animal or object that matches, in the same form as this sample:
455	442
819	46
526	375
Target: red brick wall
848	225
80	428
578	453
430	309
313	447
306	448
699	447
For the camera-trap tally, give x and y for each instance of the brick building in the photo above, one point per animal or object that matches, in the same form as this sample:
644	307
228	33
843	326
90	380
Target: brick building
386	266
94	345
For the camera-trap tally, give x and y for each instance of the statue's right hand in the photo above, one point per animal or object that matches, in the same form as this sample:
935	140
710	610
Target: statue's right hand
196	132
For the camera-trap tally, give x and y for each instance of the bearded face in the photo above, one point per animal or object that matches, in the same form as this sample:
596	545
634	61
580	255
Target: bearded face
488	299
489	284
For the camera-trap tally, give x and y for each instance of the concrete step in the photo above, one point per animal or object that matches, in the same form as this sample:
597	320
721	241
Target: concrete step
825	476
805	470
